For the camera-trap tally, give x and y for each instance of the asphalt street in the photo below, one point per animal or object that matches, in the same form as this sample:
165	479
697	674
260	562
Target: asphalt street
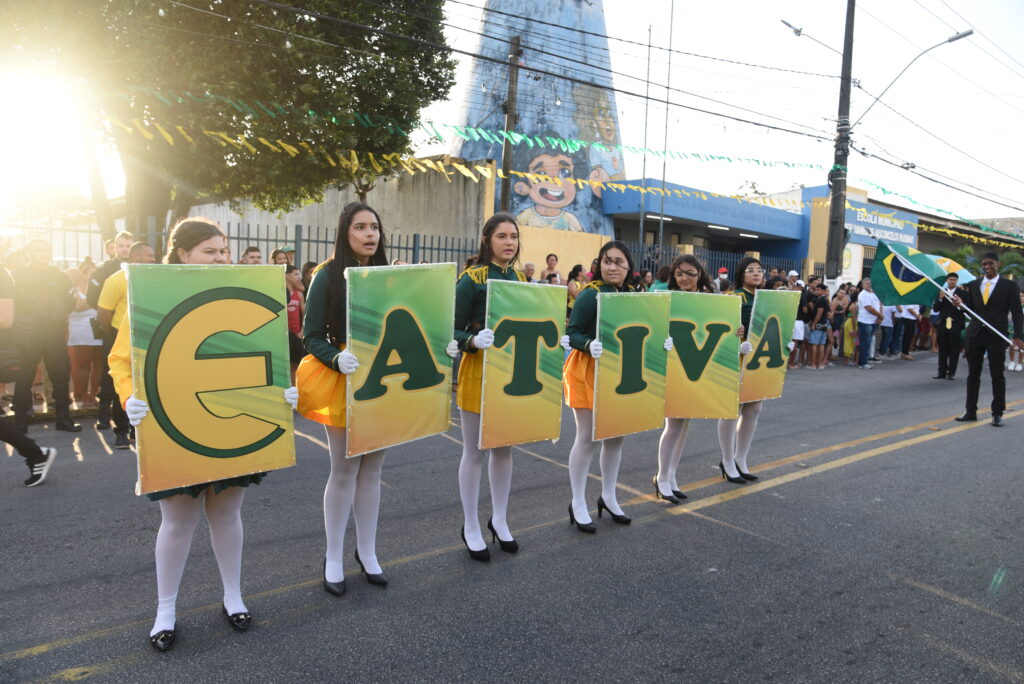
883	542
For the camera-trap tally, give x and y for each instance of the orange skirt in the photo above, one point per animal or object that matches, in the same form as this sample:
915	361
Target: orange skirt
471	379
578	380
321	392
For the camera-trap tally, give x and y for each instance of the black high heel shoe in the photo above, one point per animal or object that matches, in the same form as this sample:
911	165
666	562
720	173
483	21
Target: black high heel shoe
678	494
162	641
746	476
239	621
620	518
377	580
734	480
483	555
506	546
589	528
665	497
336	588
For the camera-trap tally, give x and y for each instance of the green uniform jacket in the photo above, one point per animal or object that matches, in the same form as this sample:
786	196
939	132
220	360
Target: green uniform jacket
583	321
745	308
471	300
314	327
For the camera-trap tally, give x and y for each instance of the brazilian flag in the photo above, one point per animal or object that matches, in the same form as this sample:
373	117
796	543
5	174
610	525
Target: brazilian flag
900	275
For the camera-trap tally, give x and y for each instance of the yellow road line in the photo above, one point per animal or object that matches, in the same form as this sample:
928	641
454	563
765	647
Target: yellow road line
953	598
314	440
1005	671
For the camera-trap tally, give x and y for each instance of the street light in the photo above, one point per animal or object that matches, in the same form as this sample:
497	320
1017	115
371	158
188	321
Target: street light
951	39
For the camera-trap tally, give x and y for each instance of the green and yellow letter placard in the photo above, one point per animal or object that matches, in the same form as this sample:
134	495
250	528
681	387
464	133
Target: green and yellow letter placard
704	367
398	325
209	352
522	381
771	331
629	383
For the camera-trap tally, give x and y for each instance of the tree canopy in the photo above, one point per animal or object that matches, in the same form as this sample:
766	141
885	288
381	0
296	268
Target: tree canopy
255	69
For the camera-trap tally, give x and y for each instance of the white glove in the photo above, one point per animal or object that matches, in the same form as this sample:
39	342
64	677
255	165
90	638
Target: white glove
596	349
564	341
452	349
669	344
346	362
746	347
484	339
291	396
791	345
136	410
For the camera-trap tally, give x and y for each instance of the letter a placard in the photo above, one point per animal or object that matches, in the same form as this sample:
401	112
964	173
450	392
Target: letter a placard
398	323
209	351
522	378
771	330
704	366
629	382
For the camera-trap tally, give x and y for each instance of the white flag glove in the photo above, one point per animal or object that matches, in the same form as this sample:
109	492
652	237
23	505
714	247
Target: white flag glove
484	339
669	344
596	349
136	410
746	347
452	349
791	345
346	362
291	396
564	341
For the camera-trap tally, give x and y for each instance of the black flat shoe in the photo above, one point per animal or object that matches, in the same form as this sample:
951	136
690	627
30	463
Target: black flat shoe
746	476
671	498
967	417
725	475
997	419
619	518
239	621
678	494
483	555
938	377
506	546
589	528
67	426
377	580
162	641
336	588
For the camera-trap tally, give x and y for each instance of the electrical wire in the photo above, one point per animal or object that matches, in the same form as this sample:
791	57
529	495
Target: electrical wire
980	33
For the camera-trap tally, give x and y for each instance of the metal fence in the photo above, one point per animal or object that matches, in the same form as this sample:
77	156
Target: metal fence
652	257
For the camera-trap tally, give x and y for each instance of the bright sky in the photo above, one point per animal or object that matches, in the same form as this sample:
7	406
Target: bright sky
968	94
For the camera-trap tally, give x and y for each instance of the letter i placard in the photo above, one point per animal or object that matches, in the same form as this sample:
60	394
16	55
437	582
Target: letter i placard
521	398
398	323
763	371
629	378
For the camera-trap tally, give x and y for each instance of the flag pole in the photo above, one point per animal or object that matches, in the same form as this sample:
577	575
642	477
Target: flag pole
942	290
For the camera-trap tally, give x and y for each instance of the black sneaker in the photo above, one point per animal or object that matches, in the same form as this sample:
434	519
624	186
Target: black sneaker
40	469
121	441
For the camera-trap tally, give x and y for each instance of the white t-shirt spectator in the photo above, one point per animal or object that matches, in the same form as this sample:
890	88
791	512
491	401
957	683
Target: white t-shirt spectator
79	328
908	311
887	313
864	300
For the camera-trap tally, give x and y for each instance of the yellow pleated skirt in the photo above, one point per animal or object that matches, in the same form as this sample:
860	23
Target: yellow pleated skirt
578	380
321	392
471	380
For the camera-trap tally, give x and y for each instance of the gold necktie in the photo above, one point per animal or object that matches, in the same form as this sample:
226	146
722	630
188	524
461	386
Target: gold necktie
988	288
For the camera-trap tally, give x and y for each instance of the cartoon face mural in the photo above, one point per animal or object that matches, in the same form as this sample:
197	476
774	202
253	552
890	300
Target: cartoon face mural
544	187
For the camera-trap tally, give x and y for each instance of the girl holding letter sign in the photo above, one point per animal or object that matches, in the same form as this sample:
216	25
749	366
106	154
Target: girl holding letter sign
192	241
499	250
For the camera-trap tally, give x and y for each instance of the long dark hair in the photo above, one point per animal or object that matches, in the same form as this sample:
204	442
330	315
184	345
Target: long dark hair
621	246
575	272
741	269
187	233
484	255
703	280
341	260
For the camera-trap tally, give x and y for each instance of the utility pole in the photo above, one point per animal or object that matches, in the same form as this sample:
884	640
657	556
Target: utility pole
511	119
837	176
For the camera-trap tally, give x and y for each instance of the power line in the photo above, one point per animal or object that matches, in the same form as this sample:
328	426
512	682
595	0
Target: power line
981	34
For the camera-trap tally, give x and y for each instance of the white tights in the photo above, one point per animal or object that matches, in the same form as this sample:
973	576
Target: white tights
499	474
735	436
579	466
354	485
670	451
179	517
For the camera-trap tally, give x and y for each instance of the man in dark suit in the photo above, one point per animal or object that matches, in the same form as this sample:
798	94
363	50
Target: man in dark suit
949	328
993	299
